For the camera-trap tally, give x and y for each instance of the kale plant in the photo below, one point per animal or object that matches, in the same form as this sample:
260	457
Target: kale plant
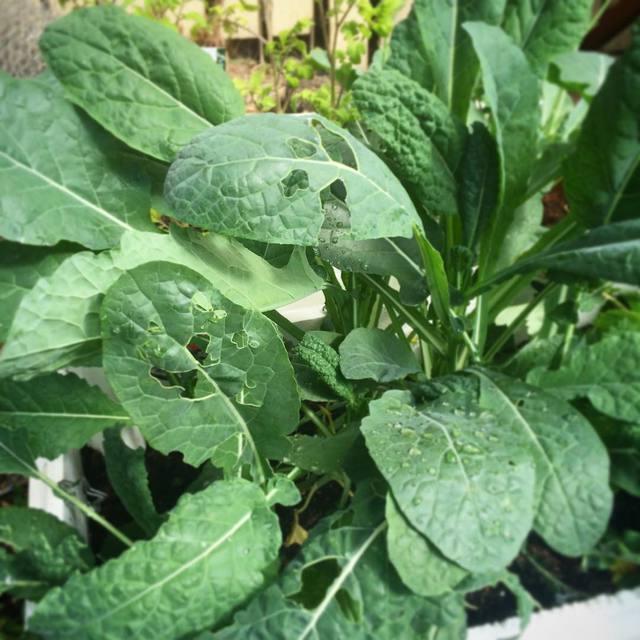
454	395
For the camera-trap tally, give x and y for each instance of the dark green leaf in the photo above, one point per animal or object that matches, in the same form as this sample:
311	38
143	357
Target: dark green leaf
545	28
128	476
143	82
602	176
16	455
413	131
323	455
431	47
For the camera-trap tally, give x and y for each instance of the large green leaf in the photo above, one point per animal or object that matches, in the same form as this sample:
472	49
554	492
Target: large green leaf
128	476
572	467
414	133
235	388
602	176
606	372
431	47
582	72
511	91
419	563
377	355
61	176
21	266
143	82
203	562
545	28
264	177
58	412
52	330
342	585
45	550
461	477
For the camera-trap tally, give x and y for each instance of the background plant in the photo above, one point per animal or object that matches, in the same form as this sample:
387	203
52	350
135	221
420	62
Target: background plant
449	442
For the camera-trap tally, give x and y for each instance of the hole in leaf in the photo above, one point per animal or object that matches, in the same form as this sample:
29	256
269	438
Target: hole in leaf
301	148
199	346
336	146
316	579
297	180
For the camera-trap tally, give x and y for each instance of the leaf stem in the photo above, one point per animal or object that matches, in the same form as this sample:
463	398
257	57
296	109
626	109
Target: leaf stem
84	508
285	324
316	421
519	319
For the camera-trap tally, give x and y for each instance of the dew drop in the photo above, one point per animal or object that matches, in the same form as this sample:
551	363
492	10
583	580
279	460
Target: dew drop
449	457
414	451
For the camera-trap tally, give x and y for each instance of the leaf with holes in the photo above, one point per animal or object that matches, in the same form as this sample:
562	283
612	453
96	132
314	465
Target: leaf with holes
265	177
51	330
342	585
189	575
462	478
195	371
572	466
140	80
61	176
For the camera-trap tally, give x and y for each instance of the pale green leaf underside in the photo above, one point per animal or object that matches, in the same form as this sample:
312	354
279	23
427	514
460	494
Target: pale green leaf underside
606	373
244	389
52	330
460	477
143	82
61	176
264	177
572	467
57	412
201	564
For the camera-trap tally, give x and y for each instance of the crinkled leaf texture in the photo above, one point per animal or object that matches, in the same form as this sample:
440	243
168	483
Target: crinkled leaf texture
545	28
413	131
45	550
203	562
264	177
52	330
377	355
461	478
572	466
343	586
21	266
234	390
141	81
606	373
61	176
602	176
58	412
431	47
